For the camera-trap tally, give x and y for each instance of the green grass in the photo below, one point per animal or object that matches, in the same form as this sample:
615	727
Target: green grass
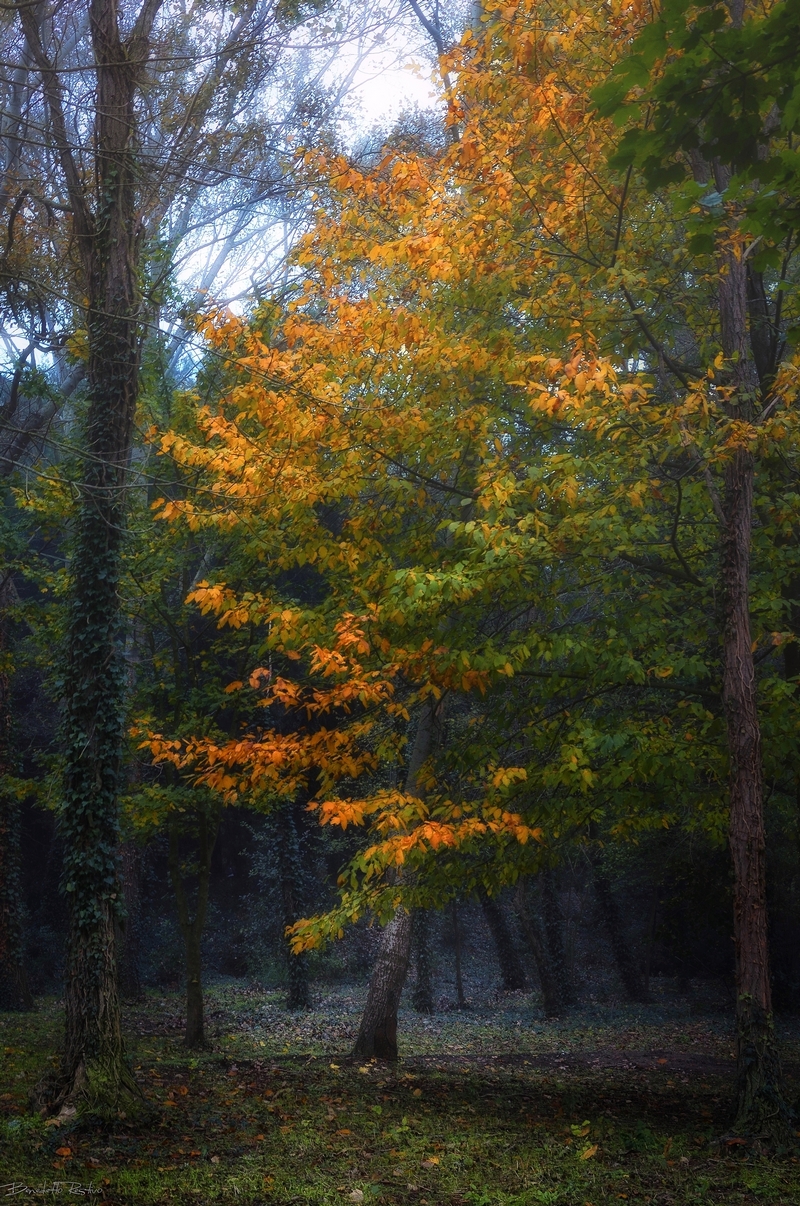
489	1108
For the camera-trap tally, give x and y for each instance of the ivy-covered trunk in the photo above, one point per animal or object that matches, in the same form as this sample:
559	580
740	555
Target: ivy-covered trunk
377	1035
103	213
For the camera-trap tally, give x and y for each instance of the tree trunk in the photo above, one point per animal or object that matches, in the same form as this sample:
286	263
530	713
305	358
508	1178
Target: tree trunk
761	1108
103	210
422	997
291	883
192	927
552	1001
457	947
14	991
377	1035
623	955
195	1035
760	1105
130	931
554	929
511	968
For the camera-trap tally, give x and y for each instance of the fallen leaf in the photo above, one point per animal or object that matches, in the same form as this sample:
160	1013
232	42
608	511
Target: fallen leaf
417	1093
590	1151
344	1131
357	1195
215	1159
63	1151
431	1162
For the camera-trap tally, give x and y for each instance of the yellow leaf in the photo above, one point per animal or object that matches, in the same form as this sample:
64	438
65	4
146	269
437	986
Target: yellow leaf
590	1151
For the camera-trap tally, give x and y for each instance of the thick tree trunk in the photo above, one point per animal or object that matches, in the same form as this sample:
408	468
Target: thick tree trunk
377	1035
14	991
552	1001
192	927
94	1071
511	968
291	883
422	997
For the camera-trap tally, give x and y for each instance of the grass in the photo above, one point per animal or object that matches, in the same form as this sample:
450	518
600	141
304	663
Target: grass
492	1107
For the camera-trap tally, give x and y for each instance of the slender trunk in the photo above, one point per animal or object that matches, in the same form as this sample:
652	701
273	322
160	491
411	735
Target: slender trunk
422	998
194	1036
291	883
554	930
511	968
14	991
457	944
130	931
192	927
760	1107
377	1035
651	936
609	911
552	1001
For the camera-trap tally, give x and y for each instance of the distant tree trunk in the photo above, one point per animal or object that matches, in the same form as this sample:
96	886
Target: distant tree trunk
291	883
511	968
457	946
192	927
14	991
554	929
422	997
130	937
623	955
552	1001
377	1035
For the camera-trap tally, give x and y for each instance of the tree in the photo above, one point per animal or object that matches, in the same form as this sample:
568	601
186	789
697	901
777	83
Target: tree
733	142
516	376
119	173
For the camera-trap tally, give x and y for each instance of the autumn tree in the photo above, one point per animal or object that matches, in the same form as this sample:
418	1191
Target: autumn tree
512	366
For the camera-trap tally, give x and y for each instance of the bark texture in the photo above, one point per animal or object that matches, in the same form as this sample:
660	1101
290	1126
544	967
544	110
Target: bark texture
377	1034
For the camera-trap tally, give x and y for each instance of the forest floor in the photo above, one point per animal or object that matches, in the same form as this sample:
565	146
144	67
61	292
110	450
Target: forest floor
491	1106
